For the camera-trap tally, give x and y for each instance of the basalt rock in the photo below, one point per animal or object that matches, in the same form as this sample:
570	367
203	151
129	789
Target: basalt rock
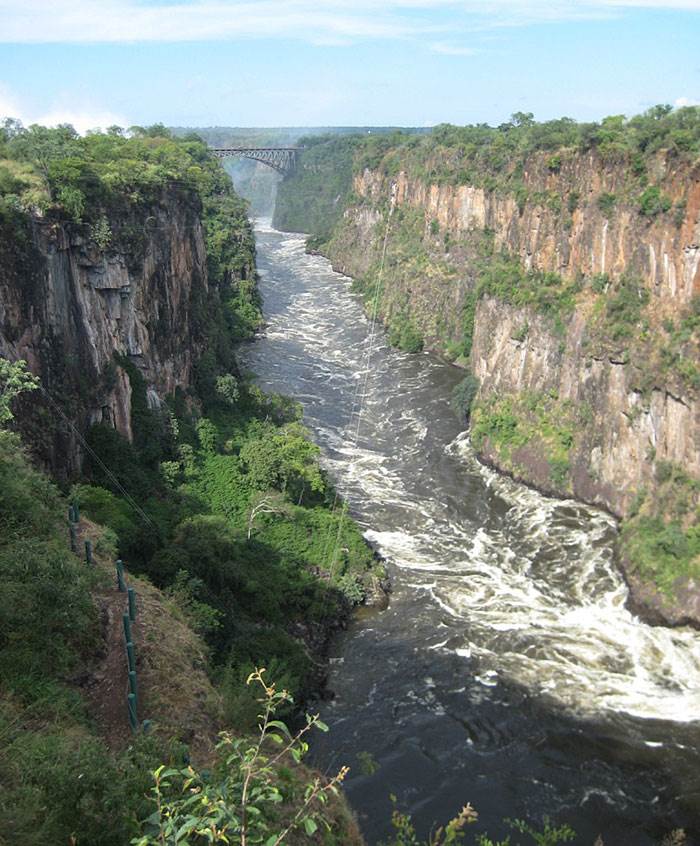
68	306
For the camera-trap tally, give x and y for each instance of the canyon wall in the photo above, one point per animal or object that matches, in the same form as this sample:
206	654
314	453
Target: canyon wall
574	303
71	308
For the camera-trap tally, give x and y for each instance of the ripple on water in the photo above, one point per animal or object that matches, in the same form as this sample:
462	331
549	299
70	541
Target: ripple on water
509	589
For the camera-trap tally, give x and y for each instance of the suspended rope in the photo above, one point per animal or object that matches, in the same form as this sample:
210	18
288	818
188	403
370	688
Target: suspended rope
360	396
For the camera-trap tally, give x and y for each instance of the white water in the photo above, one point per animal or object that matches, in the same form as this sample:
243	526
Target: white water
521	588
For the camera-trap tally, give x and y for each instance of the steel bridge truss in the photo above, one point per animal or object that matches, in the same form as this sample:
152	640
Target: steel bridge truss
281	159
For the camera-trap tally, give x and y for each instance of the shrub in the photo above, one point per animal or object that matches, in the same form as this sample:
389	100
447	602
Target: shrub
606	203
653	202
463	396
241	800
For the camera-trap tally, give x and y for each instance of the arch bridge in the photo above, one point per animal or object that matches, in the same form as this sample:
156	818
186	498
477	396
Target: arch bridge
281	159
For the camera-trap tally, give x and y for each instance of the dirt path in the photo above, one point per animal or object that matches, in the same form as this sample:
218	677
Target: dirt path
107	682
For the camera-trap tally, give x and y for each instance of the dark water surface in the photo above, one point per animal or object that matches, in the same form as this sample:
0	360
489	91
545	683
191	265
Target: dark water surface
506	671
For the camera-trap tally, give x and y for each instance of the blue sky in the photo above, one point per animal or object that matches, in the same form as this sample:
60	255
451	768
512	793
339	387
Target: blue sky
342	62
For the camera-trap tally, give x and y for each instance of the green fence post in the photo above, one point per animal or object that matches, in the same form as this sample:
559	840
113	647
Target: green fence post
127	627
121	584
73	538
71	514
132	684
131	657
146	726
76	512
133	719
132	603
88	552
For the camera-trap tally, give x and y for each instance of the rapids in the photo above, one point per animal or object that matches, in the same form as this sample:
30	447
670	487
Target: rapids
506	671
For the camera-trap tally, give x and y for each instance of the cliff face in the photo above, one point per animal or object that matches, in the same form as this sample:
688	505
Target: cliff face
664	250
584	339
68	307
625	423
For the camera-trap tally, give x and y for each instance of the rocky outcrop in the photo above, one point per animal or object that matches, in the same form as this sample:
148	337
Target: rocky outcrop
68	306
621	434
515	350
584	391
587	239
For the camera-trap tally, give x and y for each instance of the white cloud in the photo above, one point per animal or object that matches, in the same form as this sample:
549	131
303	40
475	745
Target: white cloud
321	22
686	101
82	116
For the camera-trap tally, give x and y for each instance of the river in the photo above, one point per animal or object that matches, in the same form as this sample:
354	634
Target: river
506	671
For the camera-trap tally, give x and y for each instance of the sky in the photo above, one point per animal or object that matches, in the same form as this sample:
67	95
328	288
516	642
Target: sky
342	62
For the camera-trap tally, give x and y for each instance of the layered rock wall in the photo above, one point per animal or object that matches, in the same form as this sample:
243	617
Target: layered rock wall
636	416
664	249
68	307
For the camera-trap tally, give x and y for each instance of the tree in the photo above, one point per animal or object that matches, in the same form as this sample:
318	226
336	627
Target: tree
285	460
271	502
14	380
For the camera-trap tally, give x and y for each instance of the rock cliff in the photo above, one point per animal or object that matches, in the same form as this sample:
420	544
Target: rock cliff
69	306
574	301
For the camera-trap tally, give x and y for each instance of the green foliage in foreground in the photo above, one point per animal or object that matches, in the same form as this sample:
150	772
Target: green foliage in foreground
454	832
247	798
251	796
57	779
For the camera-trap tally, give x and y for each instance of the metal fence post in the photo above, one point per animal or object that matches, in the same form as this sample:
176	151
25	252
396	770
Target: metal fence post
131	593
121	584
131	656
133	719
88	552
132	684
127	627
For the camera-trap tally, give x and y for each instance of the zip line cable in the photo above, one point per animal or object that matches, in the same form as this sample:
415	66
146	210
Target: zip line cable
115	481
362	385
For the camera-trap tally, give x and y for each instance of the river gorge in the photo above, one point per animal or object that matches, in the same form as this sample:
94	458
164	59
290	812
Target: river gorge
506	670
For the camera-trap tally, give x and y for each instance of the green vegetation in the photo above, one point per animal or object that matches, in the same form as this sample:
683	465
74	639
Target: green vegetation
58	778
14	380
199	479
504	277
463	396
404	335
454	832
653	202
313	196
661	540
607	203
177	501
541	423
493	157
251	795
619	308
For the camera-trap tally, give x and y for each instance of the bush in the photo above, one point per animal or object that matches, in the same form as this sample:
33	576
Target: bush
463	396
47	618
653	202
606	203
